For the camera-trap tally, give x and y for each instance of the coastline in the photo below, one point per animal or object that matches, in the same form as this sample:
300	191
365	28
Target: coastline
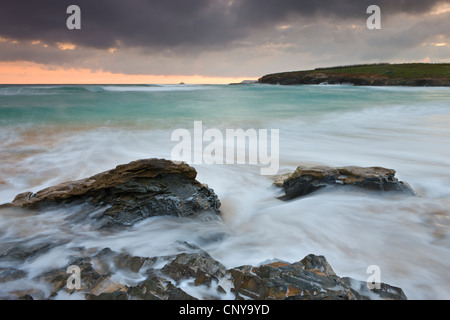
367	75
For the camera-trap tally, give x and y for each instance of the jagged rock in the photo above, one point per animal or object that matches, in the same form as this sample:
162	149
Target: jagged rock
107	258
281	281
309	279
312	278
305	180
385	292
199	266
157	288
132	192
92	282
58	278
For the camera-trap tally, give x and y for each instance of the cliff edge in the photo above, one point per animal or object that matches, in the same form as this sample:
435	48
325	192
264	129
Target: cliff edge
412	74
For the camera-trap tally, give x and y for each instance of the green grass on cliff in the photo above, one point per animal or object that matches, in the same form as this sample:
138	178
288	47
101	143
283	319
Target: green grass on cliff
404	71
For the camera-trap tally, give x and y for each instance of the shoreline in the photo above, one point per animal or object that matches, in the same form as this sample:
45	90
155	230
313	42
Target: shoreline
412	75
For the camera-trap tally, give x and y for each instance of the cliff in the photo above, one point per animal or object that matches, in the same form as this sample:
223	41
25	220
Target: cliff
413	74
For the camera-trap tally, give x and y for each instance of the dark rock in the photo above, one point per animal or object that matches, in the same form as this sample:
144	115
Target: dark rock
132	264
118	295
281	281
32	294
106	258
11	274
132	192
24	251
199	266
306	180
386	292
313	262
312	278
309	279
157	288
91	280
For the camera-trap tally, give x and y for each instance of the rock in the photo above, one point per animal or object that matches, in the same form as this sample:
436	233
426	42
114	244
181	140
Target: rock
91	280
131	193
199	266
244	82
283	281
11	274
306	180
107	258
22	252
32	294
386	292
119	295
157	288
320	263
309	279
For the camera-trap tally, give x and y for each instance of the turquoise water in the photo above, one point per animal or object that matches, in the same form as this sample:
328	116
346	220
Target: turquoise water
151	106
52	134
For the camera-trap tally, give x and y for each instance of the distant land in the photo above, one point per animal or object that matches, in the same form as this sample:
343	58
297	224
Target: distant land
382	74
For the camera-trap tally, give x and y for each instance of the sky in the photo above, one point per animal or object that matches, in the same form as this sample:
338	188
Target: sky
210	41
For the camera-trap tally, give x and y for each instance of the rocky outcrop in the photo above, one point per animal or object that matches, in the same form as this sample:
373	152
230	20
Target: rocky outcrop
309	279
317	77
306	180
167	277
130	193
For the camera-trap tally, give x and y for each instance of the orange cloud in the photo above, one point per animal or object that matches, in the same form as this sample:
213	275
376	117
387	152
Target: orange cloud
32	73
66	46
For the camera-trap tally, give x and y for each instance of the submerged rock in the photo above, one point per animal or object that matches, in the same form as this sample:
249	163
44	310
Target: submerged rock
132	192
23	251
305	180
11	274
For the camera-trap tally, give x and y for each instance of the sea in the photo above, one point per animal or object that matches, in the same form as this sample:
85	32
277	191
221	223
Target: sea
50	134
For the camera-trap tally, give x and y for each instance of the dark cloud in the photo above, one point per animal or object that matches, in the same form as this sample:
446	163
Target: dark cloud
220	37
178	24
257	10
159	23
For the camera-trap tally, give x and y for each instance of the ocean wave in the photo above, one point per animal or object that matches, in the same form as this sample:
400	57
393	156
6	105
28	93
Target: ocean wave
73	89
152	88
46	90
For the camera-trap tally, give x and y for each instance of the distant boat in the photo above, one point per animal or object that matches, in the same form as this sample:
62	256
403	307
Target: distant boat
181	83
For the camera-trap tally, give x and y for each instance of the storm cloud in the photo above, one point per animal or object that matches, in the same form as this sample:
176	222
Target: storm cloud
217	37
174	23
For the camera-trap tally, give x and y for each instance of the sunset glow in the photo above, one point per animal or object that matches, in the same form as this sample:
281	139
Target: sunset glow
33	73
